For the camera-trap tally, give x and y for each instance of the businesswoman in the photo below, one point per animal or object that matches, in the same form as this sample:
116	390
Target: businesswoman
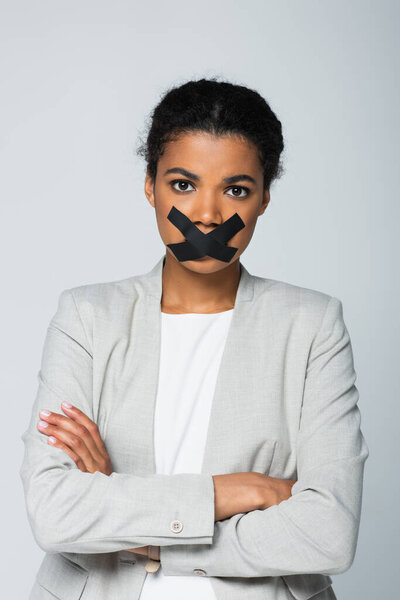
196	431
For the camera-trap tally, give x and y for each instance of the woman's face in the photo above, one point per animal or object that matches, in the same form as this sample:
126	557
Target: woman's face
190	176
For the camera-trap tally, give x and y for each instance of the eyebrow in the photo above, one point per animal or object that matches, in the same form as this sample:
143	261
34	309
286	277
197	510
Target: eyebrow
231	179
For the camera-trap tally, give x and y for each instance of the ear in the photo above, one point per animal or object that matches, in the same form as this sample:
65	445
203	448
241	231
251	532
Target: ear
149	189
266	199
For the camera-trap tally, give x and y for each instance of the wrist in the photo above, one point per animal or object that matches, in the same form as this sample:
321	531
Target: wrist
264	491
153	552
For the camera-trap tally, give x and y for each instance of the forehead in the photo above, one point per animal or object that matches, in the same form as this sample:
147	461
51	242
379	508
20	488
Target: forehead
201	151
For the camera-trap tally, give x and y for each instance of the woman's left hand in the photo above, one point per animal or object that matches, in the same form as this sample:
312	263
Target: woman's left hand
79	437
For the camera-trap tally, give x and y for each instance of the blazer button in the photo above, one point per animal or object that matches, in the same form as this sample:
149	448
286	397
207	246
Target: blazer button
199	572
176	526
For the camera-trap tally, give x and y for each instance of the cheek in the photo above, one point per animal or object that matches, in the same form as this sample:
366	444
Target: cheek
168	232
244	235
164	226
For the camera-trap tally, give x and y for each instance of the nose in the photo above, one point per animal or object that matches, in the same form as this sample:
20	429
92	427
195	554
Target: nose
206	214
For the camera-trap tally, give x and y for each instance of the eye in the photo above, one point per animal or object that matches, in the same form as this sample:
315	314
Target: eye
240	187
180	181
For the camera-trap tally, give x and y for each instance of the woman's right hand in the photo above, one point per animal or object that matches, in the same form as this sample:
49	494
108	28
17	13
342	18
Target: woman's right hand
246	491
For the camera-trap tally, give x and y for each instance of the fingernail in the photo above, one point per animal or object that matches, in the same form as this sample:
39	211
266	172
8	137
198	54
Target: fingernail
43	424
52	439
67	404
45	413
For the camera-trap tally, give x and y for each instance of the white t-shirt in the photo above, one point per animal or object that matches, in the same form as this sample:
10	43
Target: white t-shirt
191	350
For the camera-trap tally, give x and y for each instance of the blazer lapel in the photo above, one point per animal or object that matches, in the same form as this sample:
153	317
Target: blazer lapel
229	407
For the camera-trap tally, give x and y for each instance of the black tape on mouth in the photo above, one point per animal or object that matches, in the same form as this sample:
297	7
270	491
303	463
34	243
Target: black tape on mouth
199	244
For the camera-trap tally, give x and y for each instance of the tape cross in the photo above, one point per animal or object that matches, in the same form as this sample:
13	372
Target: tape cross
199	244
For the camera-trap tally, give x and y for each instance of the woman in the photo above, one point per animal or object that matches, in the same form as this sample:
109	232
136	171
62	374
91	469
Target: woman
197	419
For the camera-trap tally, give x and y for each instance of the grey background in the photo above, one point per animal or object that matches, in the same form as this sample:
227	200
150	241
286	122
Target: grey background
78	80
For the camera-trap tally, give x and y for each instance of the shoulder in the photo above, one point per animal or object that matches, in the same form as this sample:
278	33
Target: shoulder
100	299
295	302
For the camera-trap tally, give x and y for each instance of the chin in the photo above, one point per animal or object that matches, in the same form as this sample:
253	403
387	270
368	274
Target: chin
206	264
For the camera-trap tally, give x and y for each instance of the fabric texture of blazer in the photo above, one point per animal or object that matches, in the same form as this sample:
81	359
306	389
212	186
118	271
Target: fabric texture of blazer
285	405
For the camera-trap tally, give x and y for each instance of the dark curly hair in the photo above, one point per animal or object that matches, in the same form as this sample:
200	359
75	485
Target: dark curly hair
219	108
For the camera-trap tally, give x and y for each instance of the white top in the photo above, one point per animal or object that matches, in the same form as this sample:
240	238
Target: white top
191	350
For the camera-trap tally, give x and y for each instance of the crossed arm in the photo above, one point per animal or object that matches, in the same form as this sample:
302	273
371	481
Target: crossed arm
79	437
313	531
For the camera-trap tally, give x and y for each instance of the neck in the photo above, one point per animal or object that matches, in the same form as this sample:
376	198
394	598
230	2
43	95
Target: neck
184	290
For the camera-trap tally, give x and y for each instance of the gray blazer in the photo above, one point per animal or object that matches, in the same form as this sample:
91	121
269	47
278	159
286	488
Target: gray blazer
285	405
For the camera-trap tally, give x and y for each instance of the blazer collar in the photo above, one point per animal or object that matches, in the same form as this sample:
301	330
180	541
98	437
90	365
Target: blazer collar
152	282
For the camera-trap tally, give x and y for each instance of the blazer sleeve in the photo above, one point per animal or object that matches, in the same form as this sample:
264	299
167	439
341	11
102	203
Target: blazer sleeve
72	511
316	529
